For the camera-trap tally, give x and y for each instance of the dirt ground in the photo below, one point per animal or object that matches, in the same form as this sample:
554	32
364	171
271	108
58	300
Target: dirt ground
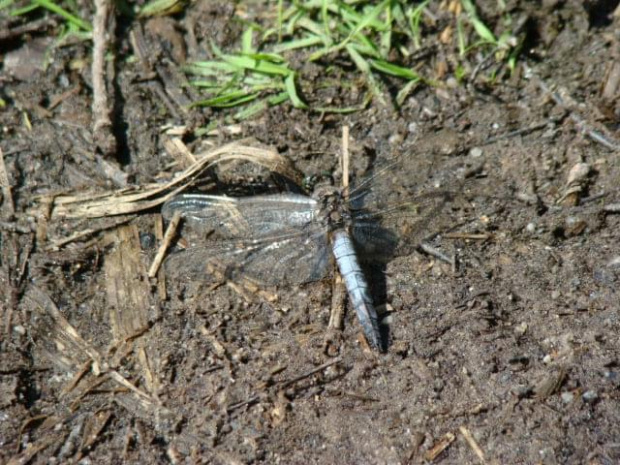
507	355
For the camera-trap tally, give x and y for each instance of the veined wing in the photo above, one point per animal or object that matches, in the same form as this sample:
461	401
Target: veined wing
291	257
399	229
245	217
402	179
400	204
274	239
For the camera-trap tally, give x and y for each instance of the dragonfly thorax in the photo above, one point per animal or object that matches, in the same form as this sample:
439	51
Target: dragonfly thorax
332	208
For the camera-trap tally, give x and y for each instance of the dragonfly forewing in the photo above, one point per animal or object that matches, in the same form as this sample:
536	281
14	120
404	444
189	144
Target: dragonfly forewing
246	217
272	239
399	229
398	183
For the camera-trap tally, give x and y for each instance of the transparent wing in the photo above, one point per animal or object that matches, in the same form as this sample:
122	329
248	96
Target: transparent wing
273	239
398	230
400	204
403	179
246	217
293	257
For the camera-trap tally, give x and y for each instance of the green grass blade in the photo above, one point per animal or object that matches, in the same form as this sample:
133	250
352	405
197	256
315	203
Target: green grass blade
51	6
386	35
25	10
299	43
210	68
367	20
228	100
161	8
364	67
325	16
394	70
258	66
280	11
315	29
294	20
326	51
246	41
261	106
461	37
358	59
481	29
415	18
289	84
405	91
205	84
347	14
365	46
270	57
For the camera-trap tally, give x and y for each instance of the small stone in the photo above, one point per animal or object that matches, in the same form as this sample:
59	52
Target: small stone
19	329
555	295
395	139
578	173
521	391
530	228
567	397
475	152
547	359
452	83
521	328
589	396
574	226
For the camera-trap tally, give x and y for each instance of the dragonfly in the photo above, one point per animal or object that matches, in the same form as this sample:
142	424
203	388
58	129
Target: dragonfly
290	238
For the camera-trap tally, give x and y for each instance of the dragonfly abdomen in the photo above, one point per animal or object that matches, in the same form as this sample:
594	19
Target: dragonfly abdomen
357	286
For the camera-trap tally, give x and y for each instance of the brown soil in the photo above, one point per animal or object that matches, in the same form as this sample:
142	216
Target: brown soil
510	355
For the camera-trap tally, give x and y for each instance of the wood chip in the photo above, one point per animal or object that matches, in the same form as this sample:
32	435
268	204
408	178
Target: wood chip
439	447
472	443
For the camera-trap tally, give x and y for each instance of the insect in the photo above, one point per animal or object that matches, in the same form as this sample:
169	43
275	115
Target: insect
288	238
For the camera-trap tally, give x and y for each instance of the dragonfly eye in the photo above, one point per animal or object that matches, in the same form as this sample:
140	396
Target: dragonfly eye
308	182
326	193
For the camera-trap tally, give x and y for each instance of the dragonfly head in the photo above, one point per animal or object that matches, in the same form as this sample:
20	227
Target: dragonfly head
325	191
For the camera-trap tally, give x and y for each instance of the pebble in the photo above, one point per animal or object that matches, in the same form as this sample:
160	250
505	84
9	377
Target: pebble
475	152
521	328
589	396
19	329
521	391
578	173
567	397
574	226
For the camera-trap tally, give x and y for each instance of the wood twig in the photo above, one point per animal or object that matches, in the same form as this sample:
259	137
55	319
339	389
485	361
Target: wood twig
5	186
473	444
318	369
345	158
102	124
170	232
